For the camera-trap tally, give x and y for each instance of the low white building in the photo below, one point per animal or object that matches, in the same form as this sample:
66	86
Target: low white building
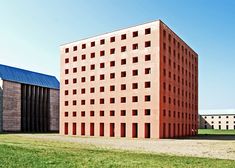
217	119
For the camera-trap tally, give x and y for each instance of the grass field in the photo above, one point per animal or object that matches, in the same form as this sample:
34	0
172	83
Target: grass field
18	151
215	132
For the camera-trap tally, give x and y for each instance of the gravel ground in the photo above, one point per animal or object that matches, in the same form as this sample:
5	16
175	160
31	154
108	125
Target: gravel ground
222	148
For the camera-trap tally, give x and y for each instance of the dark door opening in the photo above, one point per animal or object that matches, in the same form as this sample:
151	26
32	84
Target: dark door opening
101	129
164	130
169	130
112	130
123	129
66	129
35	108
134	130
174	130
147	130
74	129
82	128
92	129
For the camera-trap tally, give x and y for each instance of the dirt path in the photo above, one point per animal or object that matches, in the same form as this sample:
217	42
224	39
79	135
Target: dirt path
222	149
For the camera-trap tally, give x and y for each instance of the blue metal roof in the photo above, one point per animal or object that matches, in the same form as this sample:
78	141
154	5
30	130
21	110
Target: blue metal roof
28	77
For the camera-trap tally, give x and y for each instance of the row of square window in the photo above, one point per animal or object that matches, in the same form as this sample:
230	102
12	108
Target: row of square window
112	76
212	122
112	88
193	77
147	98
184	49
193	116
183	68
220	116
183	81
174	53
112	39
183	103
212	127
123	61
147	112
186	93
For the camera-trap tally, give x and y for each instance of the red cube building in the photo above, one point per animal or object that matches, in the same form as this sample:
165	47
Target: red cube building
138	82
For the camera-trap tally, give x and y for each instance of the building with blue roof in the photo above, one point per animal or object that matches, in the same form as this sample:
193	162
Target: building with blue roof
29	101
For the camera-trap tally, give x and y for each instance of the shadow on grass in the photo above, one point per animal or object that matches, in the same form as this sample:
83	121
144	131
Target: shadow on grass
9	133
227	137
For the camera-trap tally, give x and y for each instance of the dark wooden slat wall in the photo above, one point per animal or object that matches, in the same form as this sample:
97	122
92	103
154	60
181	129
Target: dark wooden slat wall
35	108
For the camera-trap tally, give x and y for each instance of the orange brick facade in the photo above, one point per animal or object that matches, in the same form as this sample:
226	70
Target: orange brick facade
139	82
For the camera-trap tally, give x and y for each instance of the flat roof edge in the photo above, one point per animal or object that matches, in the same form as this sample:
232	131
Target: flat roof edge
157	20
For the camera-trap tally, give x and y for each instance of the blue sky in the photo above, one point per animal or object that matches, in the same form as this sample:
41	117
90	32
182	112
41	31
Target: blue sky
32	31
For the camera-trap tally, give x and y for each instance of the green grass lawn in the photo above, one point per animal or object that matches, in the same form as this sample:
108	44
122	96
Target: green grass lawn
215	132
16	151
